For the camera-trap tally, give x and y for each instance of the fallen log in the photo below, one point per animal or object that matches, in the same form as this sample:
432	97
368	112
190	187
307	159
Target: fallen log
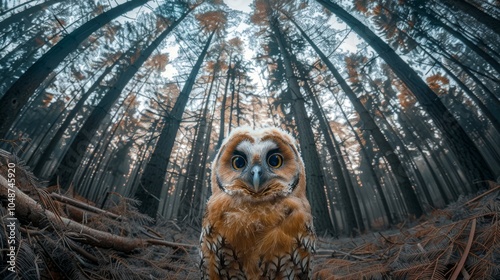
28	209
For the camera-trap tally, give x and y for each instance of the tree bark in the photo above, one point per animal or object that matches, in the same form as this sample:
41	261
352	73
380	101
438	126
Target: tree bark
192	187
18	94
473	11
49	149
26	13
351	208
471	45
371	169
314	176
154	173
470	159
386	149
3	5
233	94
73	157
230	72
199	199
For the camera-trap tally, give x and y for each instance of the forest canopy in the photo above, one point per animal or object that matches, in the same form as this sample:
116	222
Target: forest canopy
395	104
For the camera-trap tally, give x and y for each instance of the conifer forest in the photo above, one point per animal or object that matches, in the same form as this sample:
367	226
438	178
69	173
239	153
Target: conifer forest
112	111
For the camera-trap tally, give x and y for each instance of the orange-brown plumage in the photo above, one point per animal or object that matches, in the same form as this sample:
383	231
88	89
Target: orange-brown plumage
257	226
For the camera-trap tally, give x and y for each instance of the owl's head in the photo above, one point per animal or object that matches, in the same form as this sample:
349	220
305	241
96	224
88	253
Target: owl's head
258	164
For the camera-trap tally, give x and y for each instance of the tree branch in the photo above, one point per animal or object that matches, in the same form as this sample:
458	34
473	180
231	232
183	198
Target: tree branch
30	210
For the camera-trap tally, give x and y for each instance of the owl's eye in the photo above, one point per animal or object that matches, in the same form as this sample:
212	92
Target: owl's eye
275	160
238	162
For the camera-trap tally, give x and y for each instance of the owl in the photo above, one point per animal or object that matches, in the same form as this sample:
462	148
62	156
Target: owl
258	222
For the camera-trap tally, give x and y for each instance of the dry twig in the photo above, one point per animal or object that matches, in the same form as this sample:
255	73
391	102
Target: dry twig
460	265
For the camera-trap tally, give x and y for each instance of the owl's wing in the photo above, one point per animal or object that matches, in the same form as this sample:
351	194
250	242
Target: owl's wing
293	264
302	254
218	258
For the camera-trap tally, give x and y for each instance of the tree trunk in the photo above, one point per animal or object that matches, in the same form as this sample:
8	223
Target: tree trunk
199	198
409	130
471	45
470	159
231	106
73	157
473	11
445	54
56	138
339	167
186	189
371	169
230	70
3	6
314	177
154	174
405	154
239	113
187	200
470	94
27	50
397	168
18	94
17	17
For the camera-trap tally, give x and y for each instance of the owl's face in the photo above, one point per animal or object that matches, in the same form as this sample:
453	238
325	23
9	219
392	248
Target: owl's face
258	164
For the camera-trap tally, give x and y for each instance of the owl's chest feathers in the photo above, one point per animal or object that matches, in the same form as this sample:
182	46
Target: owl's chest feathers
265	227
247	221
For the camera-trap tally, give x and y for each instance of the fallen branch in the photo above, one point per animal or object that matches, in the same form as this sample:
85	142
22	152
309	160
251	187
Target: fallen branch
84	206
496	188
332	253
389	241
466	251
29	209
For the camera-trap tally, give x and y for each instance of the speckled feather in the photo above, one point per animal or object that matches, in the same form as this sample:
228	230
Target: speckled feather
248	234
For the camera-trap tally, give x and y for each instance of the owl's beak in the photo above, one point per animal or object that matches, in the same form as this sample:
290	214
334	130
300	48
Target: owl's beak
256	173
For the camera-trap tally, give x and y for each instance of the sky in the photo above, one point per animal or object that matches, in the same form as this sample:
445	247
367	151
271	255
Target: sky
240	5
349	45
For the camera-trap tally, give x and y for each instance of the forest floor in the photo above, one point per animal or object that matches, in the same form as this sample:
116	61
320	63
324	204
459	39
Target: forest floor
461	241
63	236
